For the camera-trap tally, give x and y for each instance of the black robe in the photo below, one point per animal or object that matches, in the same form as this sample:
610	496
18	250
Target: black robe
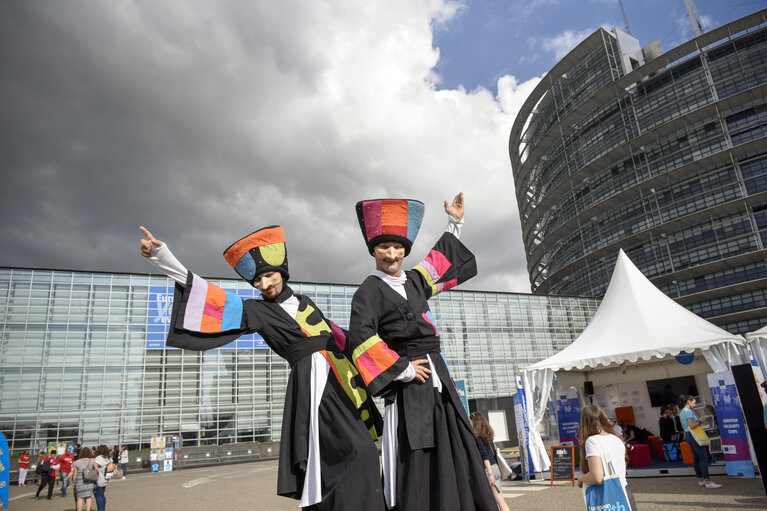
205	317
434	453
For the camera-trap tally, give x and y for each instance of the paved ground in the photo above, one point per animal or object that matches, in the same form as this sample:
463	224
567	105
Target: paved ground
251	486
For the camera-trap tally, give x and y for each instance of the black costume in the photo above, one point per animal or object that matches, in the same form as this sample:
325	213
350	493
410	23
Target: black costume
430	455
327	459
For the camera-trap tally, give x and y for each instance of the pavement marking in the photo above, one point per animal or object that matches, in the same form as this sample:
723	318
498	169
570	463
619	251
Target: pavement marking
20	496
512	495
529	488
228	475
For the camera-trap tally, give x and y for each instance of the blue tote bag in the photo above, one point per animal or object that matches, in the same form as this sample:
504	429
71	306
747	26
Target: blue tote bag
610	495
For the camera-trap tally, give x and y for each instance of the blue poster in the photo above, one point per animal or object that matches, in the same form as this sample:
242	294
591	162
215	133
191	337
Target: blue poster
5	470
568	416
460	387
520	412
732	427
161	307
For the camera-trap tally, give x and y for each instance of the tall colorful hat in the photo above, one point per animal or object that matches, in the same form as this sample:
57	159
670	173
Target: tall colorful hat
263	250
383	220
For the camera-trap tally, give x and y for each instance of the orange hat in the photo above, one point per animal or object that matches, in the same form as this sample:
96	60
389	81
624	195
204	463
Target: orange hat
259	252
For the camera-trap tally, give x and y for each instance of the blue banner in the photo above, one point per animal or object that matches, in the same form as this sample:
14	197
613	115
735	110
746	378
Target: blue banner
732	427
568	416
5	470
460	387
159	312
520	412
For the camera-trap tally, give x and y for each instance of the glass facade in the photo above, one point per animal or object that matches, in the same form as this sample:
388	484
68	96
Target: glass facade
82	357
661	154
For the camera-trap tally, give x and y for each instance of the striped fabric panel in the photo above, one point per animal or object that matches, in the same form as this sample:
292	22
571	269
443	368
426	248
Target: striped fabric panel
345	372
433	268
428	278
372	358
210	309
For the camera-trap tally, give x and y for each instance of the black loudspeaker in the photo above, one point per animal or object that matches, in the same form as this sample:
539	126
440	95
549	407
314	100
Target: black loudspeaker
588	388
751	404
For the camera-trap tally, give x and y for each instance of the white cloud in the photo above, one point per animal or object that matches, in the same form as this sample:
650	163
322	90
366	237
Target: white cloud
561	44
213	119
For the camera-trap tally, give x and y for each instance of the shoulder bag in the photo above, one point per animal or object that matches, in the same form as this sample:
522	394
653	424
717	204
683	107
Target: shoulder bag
90	472
610	494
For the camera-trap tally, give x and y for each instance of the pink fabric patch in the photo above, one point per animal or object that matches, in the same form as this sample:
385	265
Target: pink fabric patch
213	311
338	335
438	261
429	321
444	286
371	212
367	361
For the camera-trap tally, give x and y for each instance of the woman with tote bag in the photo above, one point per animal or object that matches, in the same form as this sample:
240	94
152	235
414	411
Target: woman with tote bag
603	464
694	436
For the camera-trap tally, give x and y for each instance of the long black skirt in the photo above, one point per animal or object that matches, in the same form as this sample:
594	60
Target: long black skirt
449	476
350	468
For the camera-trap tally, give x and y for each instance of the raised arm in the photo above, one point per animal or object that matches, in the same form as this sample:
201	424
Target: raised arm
456	209
162	258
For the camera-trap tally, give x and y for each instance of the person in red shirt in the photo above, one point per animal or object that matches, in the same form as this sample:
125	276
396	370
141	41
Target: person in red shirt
48	479
23	466
66	461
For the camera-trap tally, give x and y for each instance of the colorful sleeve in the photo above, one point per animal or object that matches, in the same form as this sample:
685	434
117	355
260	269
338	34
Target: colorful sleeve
376	362
448	264
205	316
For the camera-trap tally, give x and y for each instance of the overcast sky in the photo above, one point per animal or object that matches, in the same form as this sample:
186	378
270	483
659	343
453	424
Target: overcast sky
206	120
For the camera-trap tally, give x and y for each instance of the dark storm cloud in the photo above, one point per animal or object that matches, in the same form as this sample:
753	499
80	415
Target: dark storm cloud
204	121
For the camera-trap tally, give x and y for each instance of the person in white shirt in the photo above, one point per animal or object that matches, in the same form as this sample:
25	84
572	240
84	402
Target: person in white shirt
105	468
598	439
124	458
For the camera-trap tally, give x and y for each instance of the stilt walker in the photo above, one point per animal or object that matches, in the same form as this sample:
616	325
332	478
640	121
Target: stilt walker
430	455
328	459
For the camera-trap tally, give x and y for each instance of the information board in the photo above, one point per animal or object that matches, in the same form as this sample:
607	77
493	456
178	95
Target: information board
563	463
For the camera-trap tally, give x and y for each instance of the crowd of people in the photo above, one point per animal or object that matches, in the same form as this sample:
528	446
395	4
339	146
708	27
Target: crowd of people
86	470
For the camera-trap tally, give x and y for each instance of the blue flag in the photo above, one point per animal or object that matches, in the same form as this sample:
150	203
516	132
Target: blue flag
5	470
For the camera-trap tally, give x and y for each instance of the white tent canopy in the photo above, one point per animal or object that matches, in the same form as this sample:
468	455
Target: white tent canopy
634	321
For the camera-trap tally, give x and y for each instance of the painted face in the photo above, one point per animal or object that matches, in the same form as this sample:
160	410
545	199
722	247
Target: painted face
389	256
269	283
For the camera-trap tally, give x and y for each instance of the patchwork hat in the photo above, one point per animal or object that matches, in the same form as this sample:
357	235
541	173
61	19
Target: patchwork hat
396	220
263	250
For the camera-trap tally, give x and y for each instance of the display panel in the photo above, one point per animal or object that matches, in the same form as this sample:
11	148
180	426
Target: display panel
671	390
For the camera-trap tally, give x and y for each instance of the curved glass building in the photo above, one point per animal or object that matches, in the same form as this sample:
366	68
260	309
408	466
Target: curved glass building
663	154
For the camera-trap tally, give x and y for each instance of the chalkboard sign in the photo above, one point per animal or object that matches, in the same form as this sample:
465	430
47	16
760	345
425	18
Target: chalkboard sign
562	463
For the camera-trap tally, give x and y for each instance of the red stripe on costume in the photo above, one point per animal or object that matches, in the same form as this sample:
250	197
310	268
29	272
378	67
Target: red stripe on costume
438	261
338	335
449	284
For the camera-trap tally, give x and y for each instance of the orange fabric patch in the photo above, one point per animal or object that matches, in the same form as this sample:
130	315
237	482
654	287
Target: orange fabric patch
257	239
215	298
394	217
374	361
